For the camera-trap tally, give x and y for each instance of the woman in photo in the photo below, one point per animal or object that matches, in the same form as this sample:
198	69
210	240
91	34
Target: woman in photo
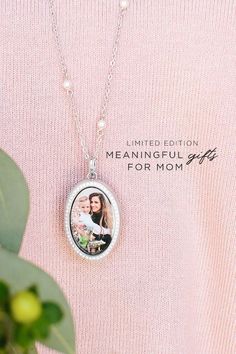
97	220
101	215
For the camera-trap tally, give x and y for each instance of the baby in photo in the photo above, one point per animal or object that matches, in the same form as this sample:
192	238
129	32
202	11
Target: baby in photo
84	207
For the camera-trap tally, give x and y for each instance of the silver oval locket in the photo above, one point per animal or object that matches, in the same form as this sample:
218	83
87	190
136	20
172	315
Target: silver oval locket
92	217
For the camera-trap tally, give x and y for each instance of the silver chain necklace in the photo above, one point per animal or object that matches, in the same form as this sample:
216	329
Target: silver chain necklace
96	237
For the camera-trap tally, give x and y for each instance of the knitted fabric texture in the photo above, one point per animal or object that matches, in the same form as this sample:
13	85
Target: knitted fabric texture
167	287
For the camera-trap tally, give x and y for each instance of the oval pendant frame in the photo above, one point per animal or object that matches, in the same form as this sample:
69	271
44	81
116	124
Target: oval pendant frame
97	184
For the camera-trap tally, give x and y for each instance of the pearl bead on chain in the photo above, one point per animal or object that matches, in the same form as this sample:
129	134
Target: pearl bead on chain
101	124
124	4
67	84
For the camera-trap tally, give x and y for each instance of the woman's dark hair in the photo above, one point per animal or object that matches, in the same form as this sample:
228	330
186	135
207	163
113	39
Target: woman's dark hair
105	210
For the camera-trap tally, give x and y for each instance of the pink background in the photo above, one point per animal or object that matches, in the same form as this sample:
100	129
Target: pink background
168	287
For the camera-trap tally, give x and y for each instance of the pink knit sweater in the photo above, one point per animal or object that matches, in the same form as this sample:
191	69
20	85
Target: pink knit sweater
168	287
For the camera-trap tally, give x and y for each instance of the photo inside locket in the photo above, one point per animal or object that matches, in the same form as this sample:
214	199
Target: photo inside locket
91	221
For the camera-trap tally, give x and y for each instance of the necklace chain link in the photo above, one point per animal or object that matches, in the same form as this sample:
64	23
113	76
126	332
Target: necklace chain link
70	91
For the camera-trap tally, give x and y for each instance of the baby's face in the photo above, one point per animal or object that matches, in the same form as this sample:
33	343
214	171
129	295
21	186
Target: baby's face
85	206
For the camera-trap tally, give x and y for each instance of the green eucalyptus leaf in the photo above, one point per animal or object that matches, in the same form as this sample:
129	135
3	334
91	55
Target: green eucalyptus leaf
20	275
40	328
4	294
23	336
3	335
52	312
33	289
32	350
14	204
